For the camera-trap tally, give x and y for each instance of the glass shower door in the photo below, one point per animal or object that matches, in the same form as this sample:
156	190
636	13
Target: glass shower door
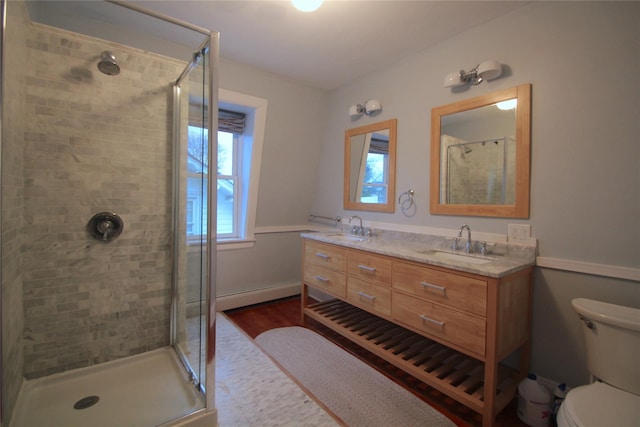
190	275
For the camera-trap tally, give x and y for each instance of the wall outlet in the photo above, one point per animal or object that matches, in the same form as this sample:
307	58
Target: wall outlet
518	232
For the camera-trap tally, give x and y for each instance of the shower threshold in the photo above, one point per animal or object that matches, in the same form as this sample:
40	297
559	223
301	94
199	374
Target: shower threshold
143	390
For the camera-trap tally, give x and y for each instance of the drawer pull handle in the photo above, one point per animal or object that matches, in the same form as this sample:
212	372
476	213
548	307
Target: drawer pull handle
321	255
430	320
322	279
432	286
367	296
366	268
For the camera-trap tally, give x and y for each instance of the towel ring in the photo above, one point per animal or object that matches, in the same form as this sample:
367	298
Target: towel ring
405	200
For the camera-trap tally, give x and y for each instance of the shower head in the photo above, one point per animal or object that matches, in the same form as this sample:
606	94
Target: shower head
108	64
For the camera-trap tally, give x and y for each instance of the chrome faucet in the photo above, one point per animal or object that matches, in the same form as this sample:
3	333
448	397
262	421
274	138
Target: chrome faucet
357	230
468	247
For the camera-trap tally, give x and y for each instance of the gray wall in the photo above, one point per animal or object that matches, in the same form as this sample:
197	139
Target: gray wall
295	127
582	61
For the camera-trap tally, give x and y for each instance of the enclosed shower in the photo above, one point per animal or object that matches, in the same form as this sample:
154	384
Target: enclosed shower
480	172
107	290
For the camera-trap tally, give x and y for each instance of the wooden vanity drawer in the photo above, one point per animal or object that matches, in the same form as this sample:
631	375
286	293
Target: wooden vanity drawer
462	292
327	280
369	296
464	330
328	256
367	266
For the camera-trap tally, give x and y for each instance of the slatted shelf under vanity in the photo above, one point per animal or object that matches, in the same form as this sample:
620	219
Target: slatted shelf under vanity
453	373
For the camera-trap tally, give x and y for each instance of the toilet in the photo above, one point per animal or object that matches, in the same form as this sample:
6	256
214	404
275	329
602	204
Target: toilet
612	335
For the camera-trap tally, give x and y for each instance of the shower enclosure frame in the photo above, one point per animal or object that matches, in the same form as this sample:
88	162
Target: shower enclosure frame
3	23
203	52
212	44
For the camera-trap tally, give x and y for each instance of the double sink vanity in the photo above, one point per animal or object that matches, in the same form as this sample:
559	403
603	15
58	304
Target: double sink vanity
446	317
452	313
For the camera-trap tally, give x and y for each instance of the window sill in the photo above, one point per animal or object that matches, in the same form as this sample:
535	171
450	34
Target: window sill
222	245
227	245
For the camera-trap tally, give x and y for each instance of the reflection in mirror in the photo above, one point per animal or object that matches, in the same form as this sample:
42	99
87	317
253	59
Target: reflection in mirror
369	175
480	155
478	161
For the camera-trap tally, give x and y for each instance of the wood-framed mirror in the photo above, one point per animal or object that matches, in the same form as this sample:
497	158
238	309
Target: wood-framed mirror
481	155
370	167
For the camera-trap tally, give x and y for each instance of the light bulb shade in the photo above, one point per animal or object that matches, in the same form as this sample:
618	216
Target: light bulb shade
307	5
355	110
372	106
453	80
489	69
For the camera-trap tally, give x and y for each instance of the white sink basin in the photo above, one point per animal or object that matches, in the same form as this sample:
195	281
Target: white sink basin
460	257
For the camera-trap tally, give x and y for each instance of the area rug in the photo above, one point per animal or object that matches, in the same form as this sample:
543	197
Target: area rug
252	391
356	393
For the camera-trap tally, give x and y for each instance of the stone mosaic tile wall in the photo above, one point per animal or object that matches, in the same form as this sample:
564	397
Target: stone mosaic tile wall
477	173
94	143
12	204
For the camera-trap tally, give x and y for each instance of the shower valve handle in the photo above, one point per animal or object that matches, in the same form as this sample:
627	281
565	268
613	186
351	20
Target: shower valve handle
105	226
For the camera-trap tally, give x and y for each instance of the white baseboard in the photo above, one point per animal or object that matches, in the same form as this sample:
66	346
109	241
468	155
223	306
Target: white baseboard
244	299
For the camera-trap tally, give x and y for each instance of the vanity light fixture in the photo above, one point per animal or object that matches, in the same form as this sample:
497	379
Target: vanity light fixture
369	108
307	5
486	70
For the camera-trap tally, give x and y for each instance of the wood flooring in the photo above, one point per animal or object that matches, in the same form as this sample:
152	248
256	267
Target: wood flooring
255	319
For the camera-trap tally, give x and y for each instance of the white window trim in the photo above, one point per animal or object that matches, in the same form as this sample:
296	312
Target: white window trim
257	108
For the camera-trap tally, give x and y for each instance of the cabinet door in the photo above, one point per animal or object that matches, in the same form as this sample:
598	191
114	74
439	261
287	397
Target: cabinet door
366	295
369	267
454	290
325	255
330	281
435	320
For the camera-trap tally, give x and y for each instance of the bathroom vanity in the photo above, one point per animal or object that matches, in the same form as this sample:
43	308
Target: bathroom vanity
445	317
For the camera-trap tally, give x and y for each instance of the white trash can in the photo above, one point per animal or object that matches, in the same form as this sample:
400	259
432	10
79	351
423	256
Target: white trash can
534	402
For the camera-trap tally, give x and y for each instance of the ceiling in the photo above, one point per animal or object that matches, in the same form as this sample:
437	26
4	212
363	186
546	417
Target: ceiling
328	48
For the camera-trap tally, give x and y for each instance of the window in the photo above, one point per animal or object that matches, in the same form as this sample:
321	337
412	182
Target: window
196	208
374	188
375	182
229	182
241	125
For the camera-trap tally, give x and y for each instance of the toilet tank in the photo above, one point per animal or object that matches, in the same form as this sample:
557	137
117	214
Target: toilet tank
612	335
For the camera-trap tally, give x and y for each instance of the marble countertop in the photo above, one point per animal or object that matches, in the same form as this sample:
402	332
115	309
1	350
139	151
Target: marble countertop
501	260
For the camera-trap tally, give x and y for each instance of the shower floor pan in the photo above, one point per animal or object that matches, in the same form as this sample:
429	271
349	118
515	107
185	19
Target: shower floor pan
143	390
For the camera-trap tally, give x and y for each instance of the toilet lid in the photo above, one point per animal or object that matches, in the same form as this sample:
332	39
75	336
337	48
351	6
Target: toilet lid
599	404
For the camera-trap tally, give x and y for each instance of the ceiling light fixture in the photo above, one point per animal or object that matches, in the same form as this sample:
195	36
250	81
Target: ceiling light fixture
307	5
369	108
486	70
